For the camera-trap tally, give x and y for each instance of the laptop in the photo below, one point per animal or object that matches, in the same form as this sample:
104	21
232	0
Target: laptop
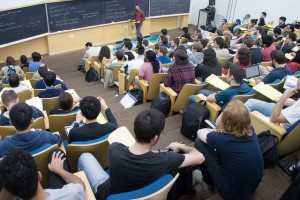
252	71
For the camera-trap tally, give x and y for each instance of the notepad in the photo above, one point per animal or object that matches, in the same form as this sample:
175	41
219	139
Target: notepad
290	82
36	102
268	91
128	101
217	82
289	56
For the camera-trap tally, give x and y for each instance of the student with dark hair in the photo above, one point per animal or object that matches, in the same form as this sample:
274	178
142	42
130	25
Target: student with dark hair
223	23
131	63
24	61
104	53
242	57
164	32
204	43
188	37
128	47
197	54
220	48
277	34
149	67
235	78
20	178
15	84
281	23
124	161
50	91
140	53
66	104
163	41
267	44
21	117
263	19
91	51
279	70
289	43
255	52
35	63
162	55
90	108
40	84
252	25
233	149
209	65
295	62
181	72
10	68
146	45
174	44
185	30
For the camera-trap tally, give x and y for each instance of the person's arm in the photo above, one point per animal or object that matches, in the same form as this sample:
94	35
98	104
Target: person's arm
268	79
56	166
211	98
142	73
169	79
192	155
202	134
143	17
237	40
108	113
276	115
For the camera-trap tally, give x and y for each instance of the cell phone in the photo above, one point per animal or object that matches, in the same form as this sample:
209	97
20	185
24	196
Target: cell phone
211	124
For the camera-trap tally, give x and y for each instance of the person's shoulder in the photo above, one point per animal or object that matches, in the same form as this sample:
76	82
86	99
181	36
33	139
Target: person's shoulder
68	191
117	146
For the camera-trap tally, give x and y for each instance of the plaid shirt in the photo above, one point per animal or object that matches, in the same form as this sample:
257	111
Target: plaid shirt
179	75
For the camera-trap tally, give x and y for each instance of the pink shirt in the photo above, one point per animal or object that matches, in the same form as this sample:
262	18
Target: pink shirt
265	53
146	71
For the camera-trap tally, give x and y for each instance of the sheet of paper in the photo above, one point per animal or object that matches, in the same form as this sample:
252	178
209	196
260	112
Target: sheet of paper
128	101
268	91
290	82
36	102
217	82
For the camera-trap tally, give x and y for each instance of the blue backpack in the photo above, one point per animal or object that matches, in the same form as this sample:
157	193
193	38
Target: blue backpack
10	70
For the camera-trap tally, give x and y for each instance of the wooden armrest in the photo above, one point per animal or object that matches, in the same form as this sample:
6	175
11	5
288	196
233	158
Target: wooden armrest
97	65
168	90
46	119
87	61
88	190
142	83
121	74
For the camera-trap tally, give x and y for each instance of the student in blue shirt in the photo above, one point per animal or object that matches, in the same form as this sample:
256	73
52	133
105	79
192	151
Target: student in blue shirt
163	41
35	63
50	91
162	55
40	84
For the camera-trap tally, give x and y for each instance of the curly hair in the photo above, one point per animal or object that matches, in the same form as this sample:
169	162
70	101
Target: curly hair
104	53
244	56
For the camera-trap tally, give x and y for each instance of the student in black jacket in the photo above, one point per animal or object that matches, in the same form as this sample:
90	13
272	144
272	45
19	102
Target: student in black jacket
90	108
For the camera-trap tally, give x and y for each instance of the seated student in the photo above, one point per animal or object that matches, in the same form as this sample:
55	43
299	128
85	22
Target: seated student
281	22
242	58
10	68
277	34
163	41
221	51
223	23
127	47
108	74
209	65
66	104
145	44
164	32
35	63
140	53
197	36
174	45
40	84
295	62
184	42
188	37
185	30
233	159
257	32
21	117
90	108
277	113
235	25
156	49
279	71
289	43
9	99
149	67
24	62
267	44
255	52
197	54
26	183
124	161
235	78
162	55
290	28
246	20
104	53
252	25
91	51
181	72
131	63
15	84
50	91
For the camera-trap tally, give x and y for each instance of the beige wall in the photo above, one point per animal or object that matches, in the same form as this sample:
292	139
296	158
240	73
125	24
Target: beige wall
65	41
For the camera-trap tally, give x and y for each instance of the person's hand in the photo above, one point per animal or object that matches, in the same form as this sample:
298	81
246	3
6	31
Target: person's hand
293	54
269	68
138	22
289	92
103	103
79	117
175	146
57	162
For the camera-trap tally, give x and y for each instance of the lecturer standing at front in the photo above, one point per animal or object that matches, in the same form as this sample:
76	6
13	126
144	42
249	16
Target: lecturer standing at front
138	19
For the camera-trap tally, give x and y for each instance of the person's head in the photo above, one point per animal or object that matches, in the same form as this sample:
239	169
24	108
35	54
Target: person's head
297	57
219	43
126	40
219	32
236	120
224	21
263	15
181	57
88	45
137	7
187	36
13	80
10	60
185	29
163	39
127	45
119	55
42	70
164	31
267	40
204	43
145	43
282	20
162	51
248	41
49	78
236	74
277	31
197	31
244	56
21	116
129	55
148	126
65	101
197	47
277	57
156	48
36	57
9	99
184	40
104	53
175	42
140	50
259	30
291	37
247	16
19	174
238	21
90	107
290	28
23	59
197	37
210	58
253	22
151	57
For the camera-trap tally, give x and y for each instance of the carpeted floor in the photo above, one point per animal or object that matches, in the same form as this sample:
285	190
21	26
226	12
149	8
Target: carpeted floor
274	182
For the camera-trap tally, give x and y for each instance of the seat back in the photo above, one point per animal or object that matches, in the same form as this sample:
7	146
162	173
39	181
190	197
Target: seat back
256	41
87	64
37	91
25	69
25	95
224	61
41	158
50	103
167	65
5	85
58	122
29	75
158	190
265	64
94	59
39	123
278	84
279	43
115	71
154	85
98	148
103	64
33	82
6	131
133	73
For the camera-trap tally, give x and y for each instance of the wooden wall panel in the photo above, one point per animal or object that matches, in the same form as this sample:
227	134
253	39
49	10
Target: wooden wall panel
163	22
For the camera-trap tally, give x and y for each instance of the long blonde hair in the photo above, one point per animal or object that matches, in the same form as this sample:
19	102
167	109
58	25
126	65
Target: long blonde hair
236	120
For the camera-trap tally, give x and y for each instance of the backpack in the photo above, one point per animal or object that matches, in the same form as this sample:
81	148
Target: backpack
137	94
91	75
268	147
10	70
193	119
162	102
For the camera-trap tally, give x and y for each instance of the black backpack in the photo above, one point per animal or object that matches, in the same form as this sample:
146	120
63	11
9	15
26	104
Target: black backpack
268	147
193	119
91	75
162	102
137	94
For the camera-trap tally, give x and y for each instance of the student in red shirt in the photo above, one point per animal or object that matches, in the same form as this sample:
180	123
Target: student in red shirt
138	19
